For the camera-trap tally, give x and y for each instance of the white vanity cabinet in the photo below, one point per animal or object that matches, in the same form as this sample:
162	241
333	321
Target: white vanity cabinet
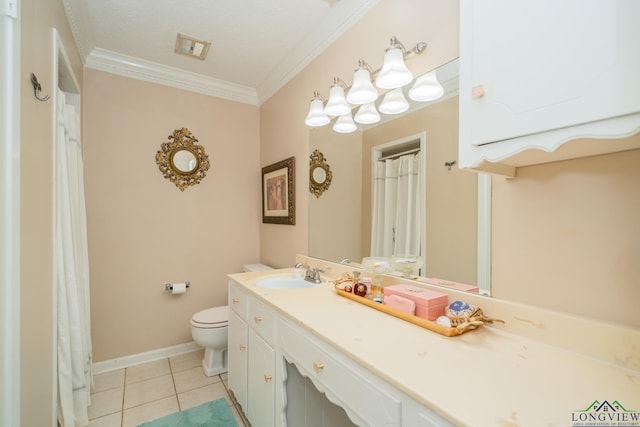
535	74
367	399
258	379
261	375
251	357
238	337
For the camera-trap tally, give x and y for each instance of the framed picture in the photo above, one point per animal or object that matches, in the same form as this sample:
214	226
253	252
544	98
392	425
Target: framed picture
278	193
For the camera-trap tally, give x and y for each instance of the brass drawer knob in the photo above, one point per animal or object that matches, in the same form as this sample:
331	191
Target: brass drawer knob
318	366
267	378
243	347
257	319
235	301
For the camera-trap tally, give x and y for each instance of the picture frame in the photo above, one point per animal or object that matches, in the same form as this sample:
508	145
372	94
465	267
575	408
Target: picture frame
278	193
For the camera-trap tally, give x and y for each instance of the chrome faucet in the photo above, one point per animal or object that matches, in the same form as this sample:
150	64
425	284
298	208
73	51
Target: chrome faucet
311	274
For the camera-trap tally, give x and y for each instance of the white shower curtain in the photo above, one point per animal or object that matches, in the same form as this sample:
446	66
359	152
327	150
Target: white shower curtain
72	272
396	225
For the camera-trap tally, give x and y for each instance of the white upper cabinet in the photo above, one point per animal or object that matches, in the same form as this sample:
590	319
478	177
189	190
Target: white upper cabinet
535	74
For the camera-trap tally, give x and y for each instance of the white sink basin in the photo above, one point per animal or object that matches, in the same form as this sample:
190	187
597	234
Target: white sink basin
285	282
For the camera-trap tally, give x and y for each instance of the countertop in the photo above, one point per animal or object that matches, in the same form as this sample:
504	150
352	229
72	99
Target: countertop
491	376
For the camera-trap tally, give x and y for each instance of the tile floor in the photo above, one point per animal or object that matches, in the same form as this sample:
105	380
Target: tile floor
131	396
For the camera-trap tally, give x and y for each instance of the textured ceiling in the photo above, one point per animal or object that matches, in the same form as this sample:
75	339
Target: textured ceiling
256	45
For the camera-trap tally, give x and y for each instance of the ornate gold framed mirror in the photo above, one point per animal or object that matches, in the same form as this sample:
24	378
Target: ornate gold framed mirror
182	160
319	174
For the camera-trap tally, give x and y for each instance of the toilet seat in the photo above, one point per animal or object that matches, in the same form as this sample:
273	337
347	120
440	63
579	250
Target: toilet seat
211	318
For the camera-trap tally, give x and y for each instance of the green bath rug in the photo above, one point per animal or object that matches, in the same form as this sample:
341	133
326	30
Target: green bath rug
212	414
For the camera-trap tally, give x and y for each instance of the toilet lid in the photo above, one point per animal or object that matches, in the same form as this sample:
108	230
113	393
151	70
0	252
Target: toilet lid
212	317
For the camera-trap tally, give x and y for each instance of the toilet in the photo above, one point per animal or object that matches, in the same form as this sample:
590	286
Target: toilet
209	330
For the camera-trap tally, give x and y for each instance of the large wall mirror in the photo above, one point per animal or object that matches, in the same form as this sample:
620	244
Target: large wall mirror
456	203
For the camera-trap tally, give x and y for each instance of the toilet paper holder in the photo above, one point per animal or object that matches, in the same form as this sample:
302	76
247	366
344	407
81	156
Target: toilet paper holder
169	286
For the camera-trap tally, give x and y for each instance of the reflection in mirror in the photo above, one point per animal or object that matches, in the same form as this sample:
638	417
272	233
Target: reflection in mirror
454	217
320	174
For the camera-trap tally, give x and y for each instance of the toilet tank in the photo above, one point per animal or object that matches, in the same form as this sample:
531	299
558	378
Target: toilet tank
255	267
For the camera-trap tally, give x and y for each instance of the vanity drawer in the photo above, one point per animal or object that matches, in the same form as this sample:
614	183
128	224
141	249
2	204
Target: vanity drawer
237	300
338	378
262	320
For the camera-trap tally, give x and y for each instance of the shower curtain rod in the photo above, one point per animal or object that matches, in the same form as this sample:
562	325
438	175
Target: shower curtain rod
396	155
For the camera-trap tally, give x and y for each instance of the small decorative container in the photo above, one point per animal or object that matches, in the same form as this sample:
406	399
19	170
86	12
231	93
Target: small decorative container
429	304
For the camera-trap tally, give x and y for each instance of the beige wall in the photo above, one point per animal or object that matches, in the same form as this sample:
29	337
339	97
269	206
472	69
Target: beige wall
566	236
36	204
143	231
283	132
451	195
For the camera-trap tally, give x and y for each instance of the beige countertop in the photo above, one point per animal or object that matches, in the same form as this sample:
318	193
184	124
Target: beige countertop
492	376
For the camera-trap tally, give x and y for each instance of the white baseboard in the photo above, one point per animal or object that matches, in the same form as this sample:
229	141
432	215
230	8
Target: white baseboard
147	356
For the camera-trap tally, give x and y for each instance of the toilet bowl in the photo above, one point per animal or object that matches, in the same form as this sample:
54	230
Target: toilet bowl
209	329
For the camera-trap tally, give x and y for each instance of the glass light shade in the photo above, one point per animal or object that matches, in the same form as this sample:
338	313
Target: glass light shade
316	116
345	124
426	88
337	104
362	91
394	102
394	72
367	114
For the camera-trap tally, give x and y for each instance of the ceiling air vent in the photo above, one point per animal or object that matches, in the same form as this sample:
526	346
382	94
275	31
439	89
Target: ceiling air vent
189	46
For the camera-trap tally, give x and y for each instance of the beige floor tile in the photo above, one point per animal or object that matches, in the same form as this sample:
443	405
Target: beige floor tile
105	403
108	380
192	378
186	361
202	395
147	391
148	370
113	420
150	411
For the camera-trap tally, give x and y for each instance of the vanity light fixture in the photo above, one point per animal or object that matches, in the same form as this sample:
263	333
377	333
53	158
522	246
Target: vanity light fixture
394	102
362	91
394	72
316	116
426	88
345	124
367	114
337	104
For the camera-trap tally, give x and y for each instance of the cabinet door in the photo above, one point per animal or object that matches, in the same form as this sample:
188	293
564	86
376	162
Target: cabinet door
261	382
237	358
546	64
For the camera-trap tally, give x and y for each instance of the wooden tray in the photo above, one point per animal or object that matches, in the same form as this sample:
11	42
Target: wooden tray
419	321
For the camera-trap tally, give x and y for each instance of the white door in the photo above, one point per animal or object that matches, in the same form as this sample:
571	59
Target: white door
9	213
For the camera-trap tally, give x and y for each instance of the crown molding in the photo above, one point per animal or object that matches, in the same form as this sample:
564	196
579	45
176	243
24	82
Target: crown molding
136	68
313	45
78	18
305	52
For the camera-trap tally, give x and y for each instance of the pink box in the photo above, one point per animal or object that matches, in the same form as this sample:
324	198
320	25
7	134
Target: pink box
451	285
429	304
